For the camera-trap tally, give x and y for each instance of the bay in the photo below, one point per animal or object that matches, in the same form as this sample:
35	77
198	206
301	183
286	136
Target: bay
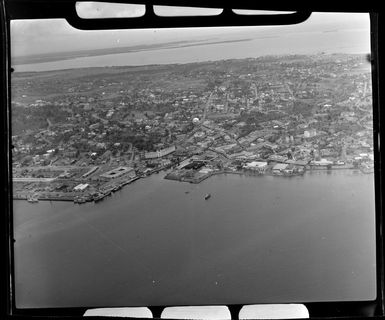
159	242
274	43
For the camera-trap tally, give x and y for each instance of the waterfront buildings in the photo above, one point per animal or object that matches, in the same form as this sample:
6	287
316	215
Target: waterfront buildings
293	110
118	172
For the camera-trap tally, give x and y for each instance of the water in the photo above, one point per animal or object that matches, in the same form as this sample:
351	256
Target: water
159	242
344	41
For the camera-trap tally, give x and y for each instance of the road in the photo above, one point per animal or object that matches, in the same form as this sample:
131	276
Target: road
206	107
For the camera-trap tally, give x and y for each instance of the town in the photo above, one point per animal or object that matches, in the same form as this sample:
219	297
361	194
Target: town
81	134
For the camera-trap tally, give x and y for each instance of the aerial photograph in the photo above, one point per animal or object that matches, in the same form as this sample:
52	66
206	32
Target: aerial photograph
193	166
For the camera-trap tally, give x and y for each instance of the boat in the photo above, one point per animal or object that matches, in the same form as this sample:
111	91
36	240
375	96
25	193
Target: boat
207	196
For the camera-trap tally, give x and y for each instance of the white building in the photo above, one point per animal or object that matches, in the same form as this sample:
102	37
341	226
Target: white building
81	187
256	166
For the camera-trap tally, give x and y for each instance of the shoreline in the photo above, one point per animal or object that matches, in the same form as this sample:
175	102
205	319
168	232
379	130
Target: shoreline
197	180
67	63
74	198
47	58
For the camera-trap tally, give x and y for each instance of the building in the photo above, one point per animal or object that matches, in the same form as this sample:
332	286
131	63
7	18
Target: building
271	146
258	166
277	158
81	187
91	171
322	162
205	170
279	167
310	133
160	153
118	172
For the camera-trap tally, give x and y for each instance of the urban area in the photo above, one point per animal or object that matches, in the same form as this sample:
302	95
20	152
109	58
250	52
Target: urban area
81	134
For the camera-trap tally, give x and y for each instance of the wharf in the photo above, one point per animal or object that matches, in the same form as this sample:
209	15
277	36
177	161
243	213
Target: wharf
54	198
199	179
45	197
341	167
332	167
195	180
130	181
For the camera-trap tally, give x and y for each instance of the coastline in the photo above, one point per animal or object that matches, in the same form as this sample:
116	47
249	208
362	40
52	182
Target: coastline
37	59
83	198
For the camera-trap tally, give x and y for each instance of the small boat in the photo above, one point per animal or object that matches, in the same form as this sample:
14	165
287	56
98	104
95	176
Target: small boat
207	196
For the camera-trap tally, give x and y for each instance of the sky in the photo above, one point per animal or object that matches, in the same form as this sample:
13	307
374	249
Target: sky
30	37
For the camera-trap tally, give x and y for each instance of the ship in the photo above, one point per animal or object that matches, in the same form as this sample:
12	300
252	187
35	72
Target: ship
207	196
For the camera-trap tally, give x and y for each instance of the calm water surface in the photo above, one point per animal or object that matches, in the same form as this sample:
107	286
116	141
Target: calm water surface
159	242
344	41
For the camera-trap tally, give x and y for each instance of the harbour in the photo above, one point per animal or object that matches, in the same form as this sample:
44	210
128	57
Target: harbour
253	220
210	172
169	174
